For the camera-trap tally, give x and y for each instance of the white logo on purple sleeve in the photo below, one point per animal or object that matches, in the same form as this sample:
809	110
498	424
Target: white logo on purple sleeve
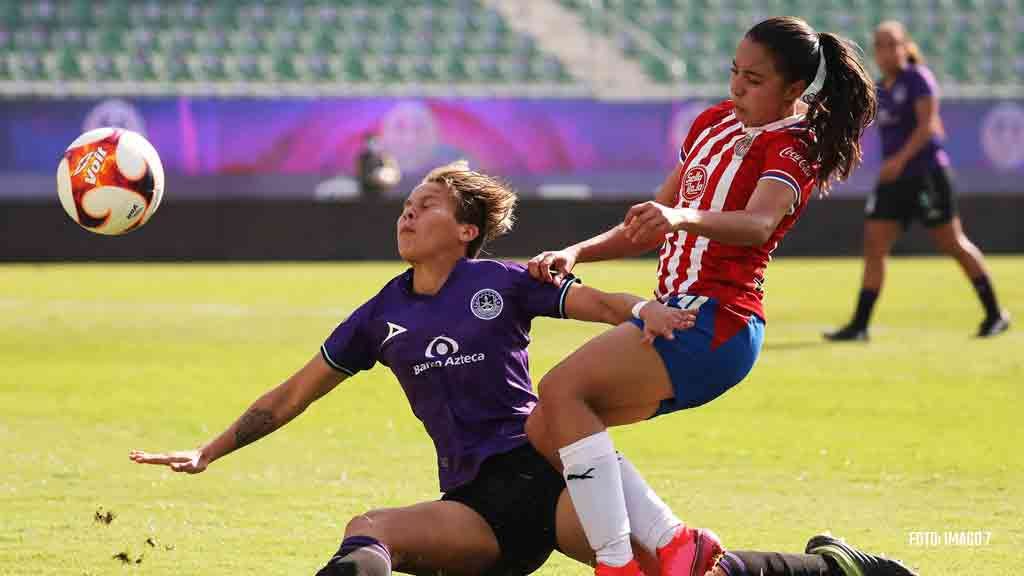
486	304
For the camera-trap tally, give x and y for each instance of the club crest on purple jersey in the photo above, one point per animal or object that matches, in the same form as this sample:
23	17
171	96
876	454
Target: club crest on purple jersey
486	304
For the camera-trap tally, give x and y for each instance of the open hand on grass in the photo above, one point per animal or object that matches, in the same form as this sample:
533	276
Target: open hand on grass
189	461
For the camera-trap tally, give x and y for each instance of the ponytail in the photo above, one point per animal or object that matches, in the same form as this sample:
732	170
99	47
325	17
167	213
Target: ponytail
913	51
845	105
840	111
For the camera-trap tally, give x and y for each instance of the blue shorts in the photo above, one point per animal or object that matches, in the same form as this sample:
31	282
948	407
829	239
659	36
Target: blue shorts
698	373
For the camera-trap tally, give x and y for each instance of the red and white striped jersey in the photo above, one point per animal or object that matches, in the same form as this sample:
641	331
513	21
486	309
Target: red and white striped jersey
722	163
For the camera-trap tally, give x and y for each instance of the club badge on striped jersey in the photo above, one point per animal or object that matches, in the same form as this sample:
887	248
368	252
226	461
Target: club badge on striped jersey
486	304
743	146
694	182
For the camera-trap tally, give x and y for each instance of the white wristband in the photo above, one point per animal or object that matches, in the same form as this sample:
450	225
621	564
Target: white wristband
638	307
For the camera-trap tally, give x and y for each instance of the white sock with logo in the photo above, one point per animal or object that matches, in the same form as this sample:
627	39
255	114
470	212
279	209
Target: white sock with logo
652	521
594	482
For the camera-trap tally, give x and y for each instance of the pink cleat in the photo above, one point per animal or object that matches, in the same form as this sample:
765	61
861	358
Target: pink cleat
631	569
692	552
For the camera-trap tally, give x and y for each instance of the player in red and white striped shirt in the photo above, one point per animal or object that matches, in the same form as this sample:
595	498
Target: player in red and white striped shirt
722	162
799	103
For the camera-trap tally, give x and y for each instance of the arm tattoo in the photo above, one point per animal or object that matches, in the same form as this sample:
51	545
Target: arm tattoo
253	425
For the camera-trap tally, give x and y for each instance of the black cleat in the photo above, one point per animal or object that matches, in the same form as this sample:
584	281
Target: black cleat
338	567
848	333
853	562
994	325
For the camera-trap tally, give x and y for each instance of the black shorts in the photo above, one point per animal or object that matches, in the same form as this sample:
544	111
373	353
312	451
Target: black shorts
928	197
516	493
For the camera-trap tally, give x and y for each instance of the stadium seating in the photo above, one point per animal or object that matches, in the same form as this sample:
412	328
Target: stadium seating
967	42
286	41
373	43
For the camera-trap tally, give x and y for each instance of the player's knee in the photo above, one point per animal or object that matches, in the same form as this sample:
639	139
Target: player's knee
557	388
964	245
372	523
535	428
537	433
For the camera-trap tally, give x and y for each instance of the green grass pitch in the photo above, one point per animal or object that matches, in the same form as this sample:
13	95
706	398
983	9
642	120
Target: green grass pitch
917	431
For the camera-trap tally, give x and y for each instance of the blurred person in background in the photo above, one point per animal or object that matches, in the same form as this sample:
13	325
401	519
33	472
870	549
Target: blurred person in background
914	183
376	170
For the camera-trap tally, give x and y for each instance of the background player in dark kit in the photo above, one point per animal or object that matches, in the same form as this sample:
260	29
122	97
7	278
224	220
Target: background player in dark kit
915	182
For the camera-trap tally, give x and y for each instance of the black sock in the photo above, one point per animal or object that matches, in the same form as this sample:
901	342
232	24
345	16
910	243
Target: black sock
865	304
747	563
363	555
987	295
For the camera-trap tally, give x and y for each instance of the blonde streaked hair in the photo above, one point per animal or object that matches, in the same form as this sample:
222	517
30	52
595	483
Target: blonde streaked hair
898	30
481	200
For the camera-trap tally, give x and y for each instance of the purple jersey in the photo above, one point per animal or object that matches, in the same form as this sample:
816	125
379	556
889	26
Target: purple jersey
460	355
897	119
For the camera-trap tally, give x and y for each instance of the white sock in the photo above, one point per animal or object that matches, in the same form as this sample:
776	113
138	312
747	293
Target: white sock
595	485
651	520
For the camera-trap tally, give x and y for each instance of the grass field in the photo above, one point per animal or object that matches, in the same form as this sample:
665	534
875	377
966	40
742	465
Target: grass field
917	431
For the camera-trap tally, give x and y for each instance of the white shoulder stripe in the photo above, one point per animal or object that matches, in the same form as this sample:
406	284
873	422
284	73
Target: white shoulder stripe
704	134
333	364
564	292
796	191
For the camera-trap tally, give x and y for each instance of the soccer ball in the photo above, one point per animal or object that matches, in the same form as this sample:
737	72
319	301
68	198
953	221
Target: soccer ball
110	181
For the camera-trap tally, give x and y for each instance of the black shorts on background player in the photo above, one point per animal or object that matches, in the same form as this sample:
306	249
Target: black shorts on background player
928	197
516	493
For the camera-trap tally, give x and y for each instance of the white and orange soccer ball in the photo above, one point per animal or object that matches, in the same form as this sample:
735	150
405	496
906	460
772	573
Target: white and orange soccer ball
110	181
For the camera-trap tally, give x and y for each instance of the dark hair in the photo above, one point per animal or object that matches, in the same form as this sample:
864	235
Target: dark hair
845	105
481	200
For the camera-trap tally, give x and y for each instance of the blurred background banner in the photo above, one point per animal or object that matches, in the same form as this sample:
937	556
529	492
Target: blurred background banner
616	149
261	110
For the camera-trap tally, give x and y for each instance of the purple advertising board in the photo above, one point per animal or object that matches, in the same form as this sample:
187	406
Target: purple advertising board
282	148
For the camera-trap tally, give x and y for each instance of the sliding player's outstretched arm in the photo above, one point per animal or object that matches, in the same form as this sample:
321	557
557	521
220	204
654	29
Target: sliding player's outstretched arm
593	305
269	412
550	266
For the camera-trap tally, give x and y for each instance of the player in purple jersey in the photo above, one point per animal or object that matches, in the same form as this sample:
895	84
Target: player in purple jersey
914	182
454	332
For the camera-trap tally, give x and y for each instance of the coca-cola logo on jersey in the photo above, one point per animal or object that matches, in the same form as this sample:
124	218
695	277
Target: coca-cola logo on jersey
796	157
694	182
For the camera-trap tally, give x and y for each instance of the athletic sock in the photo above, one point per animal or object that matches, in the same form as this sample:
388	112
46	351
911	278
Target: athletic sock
594	481
651	520
865	304
983	286
359	556
745	563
